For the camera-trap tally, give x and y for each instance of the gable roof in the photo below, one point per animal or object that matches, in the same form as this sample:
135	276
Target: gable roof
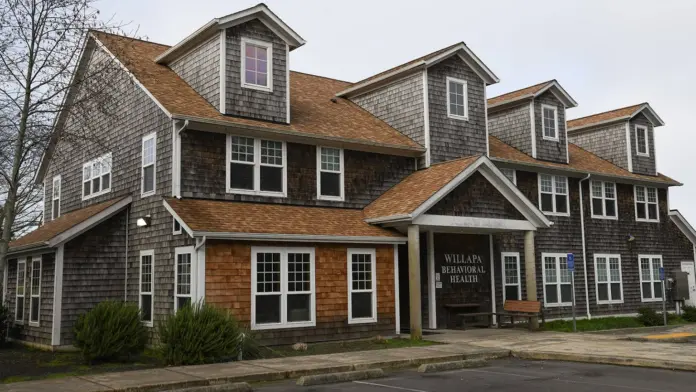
680	221
622	114
533	92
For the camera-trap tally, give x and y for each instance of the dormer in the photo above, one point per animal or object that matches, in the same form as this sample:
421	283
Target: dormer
623	136
239	63
533	120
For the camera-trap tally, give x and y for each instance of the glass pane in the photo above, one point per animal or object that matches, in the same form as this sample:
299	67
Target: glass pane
657	287
511	292
602	292
602	269
331	159
182	302
616	291
241	176
647	294
183	274
510	265
609	190
652	195
597	189
95	184
640	210
34	309
550	269
330	184
146	274
546	183
561	204
271	153
644	269
87	188
299	272
148	178
56	209
271	178
597	206
268	272
561	185
566	293
652	211
614	269
362	271
546	202
146	307
20	309
267	309
361	305
242	149
640	193
106	181
610	207
551	294
261	79
299	307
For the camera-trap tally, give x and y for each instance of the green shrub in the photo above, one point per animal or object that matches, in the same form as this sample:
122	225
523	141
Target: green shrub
5	322
203	334
112	330
689	314
649	317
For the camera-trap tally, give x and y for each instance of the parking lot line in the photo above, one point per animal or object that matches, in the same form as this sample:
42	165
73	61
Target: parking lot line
388	386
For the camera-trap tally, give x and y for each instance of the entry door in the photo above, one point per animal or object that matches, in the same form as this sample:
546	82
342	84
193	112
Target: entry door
688	267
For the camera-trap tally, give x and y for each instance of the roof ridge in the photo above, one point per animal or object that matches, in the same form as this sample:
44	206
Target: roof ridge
523	88
608	111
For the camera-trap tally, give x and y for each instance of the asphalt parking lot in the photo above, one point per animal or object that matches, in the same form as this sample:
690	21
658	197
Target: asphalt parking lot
517	375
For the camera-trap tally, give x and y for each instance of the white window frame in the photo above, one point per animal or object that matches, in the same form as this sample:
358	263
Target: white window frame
109	165
56	196
257	169
513	171
558	283
269	66
647	143
464	84
603	213
554	194
373	255
19	318
657	297
647	203
35	296
151	253
194	275
516	255
153	137
609	282
341	172
555	121
174	229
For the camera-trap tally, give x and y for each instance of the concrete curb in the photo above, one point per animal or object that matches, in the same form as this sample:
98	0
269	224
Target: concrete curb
234	387
605	360
332	378
456	365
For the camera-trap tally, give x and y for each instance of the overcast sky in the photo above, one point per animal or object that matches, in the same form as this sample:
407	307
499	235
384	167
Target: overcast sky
606	54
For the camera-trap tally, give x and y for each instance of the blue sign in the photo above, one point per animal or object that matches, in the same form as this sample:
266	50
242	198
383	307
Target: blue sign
662	273
571	262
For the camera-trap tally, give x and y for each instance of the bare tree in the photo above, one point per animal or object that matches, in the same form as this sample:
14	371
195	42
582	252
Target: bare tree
41	46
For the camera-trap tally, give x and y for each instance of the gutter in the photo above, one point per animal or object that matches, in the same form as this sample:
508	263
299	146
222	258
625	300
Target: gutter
299	238
584	248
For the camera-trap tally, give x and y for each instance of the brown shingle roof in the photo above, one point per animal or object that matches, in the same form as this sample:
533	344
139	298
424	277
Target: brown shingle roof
417	188
603	117
312	111
513	95
65	222
580	160
256	218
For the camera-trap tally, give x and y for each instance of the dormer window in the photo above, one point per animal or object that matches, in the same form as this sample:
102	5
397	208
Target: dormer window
642	140
457	107
549	116
257	64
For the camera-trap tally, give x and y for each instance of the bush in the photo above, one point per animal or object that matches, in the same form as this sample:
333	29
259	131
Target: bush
649	317
203	334
689	314
112	330
4	324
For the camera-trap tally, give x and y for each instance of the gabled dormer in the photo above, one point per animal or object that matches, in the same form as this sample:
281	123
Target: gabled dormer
239	63
533	120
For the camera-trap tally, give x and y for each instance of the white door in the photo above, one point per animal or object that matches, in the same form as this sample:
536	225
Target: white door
688	267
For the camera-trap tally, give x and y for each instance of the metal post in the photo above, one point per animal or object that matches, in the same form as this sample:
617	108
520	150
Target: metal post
572	285
664	305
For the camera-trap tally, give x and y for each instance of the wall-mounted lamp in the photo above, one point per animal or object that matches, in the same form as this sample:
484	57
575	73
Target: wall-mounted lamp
630	238
144	221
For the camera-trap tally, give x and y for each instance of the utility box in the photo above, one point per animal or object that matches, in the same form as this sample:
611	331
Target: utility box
680	287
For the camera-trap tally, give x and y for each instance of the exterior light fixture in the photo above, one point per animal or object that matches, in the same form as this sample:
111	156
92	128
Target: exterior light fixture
144	221
630	238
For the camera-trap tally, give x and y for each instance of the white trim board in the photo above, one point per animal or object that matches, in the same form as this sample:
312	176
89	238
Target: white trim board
57	296
89	222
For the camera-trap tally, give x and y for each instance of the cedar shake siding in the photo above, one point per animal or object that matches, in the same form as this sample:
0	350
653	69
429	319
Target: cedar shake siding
200	68
513	126
367	175
608	142
454	138
643	164
550	150
228	285
251	103
400	105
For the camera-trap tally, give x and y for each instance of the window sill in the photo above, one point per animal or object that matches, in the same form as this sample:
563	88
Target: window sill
651	300
34	324
148	324
19	322
148	194
648	220
258	88
610	302
645	155
260	327
255	193
330	198
93	195
556	213
362	321
455	117
605	217
561	305
551	139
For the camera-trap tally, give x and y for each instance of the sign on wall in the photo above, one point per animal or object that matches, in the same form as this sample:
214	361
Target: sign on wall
459	268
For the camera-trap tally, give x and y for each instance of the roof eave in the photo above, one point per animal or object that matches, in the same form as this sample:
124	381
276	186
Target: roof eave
683	225
651	115
28	248
301	237
599	124
562	94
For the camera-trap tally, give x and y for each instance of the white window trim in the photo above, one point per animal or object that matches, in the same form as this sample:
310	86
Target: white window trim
449	79
283	288
269	68
151	253
657	297
174	230
514	174
516	255
646	144
607	256
603	215
33	295
92	195
20	320
373	255
194	275
54	197
553	194
257	169
555	122
635	204
152	136
342	179
558	283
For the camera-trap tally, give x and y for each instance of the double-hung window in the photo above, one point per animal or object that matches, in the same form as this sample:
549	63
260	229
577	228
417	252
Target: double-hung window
184	278
96	177
19	292
55	198
147	268
650	283
362	284
511	276
149	155
330	173
457	105
603	199
642	140
257	64
549	116
557	280
608	279
35	300
646	204
282	288
256	167
511	174
553	194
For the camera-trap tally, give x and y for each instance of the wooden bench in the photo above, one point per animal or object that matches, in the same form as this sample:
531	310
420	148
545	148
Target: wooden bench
460	313
521	309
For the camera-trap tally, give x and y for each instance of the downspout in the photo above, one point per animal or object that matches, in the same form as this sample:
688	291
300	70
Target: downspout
199	243
125	284
584	249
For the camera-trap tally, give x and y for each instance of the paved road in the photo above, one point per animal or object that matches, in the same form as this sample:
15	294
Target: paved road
518	376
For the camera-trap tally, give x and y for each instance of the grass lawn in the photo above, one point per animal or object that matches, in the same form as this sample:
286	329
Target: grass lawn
342	347
604	323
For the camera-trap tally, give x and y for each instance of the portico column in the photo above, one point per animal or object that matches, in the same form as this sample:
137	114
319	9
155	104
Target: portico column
414	288
530	272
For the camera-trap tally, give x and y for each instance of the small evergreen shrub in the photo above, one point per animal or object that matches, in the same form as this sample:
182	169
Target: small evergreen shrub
689	314
5	322
112	330
649	317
